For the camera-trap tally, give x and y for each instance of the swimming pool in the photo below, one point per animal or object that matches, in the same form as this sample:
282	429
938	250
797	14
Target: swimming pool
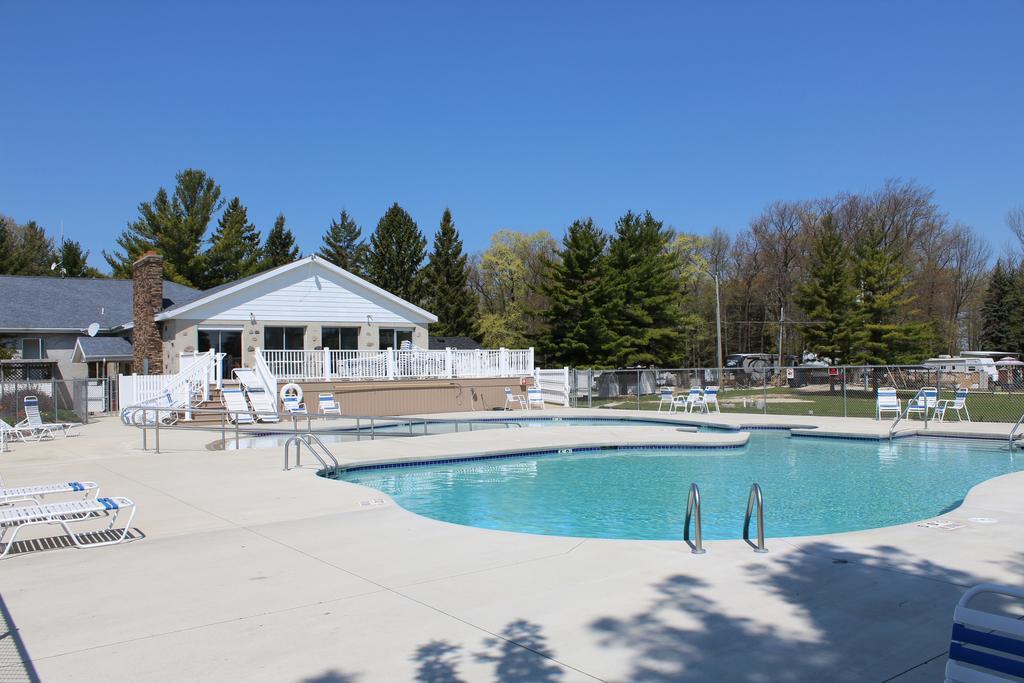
401	428
811	486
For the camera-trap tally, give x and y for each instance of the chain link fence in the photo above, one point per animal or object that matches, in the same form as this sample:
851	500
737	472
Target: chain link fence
60	400
994	395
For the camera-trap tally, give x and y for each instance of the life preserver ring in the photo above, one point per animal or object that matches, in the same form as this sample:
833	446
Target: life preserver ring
291	389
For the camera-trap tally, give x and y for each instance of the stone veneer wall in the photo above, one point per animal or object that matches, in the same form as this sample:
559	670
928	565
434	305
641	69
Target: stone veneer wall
147	301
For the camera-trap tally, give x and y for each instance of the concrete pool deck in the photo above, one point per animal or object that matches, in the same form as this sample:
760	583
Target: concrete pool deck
244	571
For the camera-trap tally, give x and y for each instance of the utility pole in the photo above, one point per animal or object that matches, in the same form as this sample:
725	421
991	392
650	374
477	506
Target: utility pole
782	328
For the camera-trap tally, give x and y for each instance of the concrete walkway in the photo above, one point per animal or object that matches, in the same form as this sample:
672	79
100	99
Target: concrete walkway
244	571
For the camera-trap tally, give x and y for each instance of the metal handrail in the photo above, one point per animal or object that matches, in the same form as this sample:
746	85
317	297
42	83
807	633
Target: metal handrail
693	507
1013	432
229	421
312	443
757	498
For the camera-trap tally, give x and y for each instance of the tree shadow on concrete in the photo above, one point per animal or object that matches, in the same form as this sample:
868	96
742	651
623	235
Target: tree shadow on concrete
847	616
519	653
332	676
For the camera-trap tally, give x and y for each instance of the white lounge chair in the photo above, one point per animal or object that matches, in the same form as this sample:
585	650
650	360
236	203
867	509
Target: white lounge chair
665	397
514	399
65	514
9	432
237	406
327	405
34	421
927	400
687	402
711	399
20	494
534	397
957	404
293	406
886	401
263	404
985	647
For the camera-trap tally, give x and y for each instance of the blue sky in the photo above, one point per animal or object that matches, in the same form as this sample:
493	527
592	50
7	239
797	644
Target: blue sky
518	115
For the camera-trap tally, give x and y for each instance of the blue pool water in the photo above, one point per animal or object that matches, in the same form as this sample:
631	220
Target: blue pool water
811	486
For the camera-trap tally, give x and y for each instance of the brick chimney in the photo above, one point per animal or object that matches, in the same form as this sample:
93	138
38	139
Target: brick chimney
147	301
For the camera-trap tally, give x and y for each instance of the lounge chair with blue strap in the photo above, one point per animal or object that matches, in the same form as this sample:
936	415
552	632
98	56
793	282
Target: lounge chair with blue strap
34	421
20	494
687	402
926	401
665	398
957	404
293	406
65	514
535	397
711	399
328	405
985	647
886	401
237	405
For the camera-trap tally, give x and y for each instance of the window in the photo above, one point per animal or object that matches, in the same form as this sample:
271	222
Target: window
283	338
31	348
340	338
392	338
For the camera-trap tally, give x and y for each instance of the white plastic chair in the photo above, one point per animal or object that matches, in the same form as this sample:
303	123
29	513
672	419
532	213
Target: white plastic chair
927	400
263	404
9	432
327	405
665	397
688	401
886	401
985	646
711	399
957	404
534	397
19	494
293	406
237	406
512	399
65	514
34	421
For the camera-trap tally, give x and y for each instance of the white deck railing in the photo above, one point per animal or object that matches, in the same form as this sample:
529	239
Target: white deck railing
329	365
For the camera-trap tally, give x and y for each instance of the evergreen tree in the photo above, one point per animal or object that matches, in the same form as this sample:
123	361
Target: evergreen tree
829	298
279	248
73	261
344	246
234	250
583	295
397	250
173	225
883	297
646	323
446	283
998	312
34	253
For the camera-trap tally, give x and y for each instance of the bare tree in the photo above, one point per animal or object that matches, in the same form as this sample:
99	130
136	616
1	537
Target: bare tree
968	267
1015	221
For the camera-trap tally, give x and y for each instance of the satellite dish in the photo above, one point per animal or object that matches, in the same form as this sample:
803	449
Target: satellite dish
53	266
93	329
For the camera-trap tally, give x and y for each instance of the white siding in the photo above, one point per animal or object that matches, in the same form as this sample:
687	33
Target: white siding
306	294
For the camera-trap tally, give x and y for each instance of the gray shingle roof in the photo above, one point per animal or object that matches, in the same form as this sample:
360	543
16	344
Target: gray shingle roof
53	303
99	348
461	343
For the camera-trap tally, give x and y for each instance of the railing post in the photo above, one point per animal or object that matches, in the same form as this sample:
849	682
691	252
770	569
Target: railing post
327	364
529	360
843	370
449	368
391	363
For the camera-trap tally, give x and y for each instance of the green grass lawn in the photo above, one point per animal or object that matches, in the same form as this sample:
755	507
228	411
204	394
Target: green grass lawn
984	407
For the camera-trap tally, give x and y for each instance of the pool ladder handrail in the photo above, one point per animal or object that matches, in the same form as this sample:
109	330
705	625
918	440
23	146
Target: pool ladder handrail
1013	432
755	498
693	509
315	446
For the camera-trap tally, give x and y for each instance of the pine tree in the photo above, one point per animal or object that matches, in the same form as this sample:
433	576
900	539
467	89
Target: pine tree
446	283
397	250
829	298
583	296
173	225
234	250
883	297
34	253
279	248
998	312
344	246
73	261
646	323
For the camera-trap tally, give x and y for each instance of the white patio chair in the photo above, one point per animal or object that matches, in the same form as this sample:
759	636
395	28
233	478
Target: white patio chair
327	405
711	399
20	494
687	402
293	406
263	404
926	400
65	514
236	405
886	401
10	432
985	646
534	397
665	397
957	404
34	421
512	399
